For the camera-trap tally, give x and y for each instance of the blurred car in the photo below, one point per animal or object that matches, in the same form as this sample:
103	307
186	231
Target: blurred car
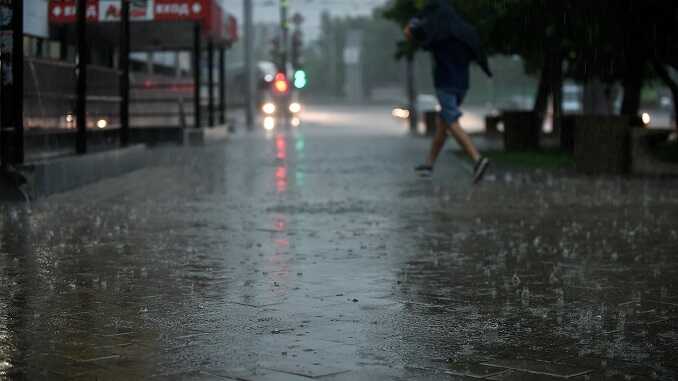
425	103
280	103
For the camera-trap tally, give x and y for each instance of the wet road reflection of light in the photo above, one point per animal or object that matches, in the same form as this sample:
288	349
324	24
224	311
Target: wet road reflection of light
300	145
281	169
278	262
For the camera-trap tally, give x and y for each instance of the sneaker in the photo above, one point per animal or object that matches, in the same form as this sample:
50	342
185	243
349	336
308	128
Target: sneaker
424	170
479	169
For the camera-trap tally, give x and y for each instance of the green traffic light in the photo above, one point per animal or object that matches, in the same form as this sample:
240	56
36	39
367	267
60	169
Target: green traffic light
300	80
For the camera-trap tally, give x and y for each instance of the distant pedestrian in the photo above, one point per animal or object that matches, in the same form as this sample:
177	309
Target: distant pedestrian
453	43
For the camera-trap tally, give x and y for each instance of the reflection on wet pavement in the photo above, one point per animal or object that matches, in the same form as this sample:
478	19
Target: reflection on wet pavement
309	255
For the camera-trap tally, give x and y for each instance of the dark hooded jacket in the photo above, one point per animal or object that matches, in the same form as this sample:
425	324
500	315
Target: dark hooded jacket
452	41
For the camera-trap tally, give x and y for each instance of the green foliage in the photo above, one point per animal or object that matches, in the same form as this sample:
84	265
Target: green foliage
602	39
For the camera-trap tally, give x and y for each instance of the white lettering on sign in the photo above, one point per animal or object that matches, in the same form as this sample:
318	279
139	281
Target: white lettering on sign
91	11
110	10
71	11
172	9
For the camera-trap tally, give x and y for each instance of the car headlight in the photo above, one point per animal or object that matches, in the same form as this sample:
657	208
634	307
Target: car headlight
295	107
268	108
269	123
401	113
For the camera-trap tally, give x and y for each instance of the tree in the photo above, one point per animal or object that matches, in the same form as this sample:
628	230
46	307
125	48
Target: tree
615	41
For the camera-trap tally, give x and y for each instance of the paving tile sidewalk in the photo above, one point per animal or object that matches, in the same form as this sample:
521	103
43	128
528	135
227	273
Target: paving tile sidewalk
311	255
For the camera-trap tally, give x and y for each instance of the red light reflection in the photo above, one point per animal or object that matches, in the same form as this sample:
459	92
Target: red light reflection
281	170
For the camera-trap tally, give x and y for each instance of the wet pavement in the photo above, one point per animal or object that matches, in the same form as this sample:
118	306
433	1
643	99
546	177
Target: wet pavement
317	254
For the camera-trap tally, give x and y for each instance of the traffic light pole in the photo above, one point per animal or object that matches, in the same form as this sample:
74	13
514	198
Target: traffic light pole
284	32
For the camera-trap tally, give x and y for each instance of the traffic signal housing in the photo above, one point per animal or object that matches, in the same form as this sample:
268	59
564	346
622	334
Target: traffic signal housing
280	84
297	48
300	79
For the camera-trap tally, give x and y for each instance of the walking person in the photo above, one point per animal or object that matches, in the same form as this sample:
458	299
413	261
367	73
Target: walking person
453	44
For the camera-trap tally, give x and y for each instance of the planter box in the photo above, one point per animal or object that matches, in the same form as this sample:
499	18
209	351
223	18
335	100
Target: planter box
566	133
645	158
521	131
492	125
602	144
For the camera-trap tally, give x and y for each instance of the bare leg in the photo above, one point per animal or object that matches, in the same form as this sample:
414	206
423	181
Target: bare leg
464	141
438	142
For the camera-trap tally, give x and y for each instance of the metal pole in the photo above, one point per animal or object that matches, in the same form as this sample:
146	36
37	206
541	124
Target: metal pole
81	70
222	85
210	84
284	32
124	73
249	65
334	58
412	95
3	114
197	50
18	82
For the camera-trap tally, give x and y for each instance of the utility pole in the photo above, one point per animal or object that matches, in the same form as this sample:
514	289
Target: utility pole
249	64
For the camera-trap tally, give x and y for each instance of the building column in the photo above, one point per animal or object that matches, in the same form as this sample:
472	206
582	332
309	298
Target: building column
12	90
123	66
210	83
81	69
222	85
197	62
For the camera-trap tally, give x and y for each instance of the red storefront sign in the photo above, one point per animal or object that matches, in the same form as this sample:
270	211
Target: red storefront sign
64	11
232	29
110	10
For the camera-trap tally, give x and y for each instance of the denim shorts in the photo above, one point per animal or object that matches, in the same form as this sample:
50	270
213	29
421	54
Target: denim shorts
450	101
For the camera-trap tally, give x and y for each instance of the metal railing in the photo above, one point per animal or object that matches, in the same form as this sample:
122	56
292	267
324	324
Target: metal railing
49	104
